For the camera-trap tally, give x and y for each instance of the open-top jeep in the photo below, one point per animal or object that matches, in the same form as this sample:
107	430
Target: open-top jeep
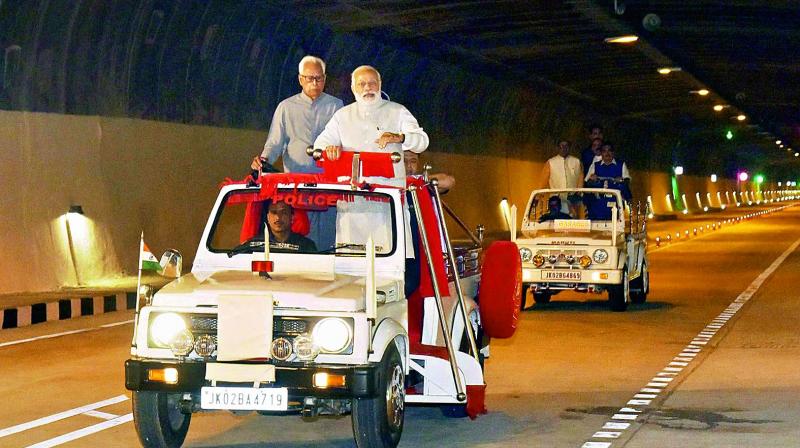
364	308
606	251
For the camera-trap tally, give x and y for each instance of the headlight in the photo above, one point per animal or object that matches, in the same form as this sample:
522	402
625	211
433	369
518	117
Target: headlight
525	254
553	259
600	256
538	260
585	261
165	327
332	335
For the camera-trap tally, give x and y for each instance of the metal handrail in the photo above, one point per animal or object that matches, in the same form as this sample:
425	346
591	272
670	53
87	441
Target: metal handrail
460	391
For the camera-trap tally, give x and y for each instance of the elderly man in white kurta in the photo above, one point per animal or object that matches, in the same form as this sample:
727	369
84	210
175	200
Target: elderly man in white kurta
372	124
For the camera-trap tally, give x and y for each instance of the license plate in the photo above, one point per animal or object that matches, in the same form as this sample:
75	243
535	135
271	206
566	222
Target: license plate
244	398
561	275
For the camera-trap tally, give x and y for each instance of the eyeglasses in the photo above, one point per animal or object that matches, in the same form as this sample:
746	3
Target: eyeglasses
317	79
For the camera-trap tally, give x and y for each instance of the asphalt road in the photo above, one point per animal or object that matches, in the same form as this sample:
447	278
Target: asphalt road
711	360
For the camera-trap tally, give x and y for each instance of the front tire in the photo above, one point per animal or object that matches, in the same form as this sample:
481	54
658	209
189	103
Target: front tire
542	298
619	295
378	421
641	286
523	296
158	419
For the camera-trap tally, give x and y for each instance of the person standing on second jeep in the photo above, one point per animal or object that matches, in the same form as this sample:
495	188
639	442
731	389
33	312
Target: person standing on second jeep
299	119
564	171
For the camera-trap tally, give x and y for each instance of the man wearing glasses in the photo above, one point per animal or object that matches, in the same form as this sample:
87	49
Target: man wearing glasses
299	119
372	124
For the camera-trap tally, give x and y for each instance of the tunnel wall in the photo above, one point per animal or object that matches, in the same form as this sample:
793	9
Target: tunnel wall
132	176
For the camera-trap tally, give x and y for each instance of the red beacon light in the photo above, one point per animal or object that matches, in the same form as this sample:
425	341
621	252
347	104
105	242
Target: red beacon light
263	267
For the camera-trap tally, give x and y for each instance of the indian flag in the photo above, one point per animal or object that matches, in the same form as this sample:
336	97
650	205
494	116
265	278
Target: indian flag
147	261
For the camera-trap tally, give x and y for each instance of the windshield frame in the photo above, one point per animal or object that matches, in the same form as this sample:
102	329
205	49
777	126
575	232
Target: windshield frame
304	188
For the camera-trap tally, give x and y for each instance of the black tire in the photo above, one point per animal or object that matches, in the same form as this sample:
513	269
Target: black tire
619	295
158	419
640	286
525	288
542	297
378	421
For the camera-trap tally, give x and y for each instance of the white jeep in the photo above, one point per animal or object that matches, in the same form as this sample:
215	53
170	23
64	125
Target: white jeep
605	251
377	311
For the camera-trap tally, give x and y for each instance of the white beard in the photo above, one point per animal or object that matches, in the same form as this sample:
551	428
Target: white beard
368	102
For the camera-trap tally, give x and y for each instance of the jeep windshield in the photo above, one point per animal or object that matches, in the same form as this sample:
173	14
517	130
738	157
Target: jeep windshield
576	213
304	221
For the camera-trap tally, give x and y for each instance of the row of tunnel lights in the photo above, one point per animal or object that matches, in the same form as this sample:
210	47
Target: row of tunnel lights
714	226
781	145
748	197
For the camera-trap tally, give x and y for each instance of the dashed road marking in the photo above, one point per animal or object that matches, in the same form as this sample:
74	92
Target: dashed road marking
658	383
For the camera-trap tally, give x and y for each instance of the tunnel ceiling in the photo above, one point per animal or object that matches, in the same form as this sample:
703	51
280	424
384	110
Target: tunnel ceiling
745	55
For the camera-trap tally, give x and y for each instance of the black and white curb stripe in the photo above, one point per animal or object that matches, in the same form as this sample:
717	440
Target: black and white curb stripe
66	308
640	402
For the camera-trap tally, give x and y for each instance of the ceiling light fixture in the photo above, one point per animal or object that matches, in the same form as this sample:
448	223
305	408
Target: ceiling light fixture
741	117
778	142
719	107
668	70
626	39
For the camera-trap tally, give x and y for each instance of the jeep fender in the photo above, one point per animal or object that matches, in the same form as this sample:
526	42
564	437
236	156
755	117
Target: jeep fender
389	331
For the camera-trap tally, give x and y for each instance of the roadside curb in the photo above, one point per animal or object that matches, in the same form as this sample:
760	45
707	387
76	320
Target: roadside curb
67	307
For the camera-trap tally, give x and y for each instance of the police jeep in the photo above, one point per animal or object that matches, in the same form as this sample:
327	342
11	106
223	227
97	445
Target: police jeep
383	312
604	251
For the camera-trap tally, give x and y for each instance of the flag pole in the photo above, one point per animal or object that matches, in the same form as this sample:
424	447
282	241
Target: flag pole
138	287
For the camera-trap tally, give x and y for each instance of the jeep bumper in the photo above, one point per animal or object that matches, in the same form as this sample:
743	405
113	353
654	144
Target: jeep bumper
360	381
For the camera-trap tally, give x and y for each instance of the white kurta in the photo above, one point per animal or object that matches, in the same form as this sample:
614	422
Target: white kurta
564	172
356	127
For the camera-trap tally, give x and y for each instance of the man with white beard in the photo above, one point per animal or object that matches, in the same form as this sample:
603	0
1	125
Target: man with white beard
372	124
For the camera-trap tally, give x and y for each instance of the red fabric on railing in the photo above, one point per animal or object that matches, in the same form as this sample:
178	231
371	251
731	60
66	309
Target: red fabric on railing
377	164
425	289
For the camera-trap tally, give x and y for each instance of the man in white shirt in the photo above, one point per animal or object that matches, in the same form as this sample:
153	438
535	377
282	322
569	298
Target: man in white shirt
372	124
564	171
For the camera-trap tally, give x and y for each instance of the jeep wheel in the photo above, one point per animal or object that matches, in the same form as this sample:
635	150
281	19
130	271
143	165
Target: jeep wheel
158	419
378	421
619	295
523	296
641	286
542	297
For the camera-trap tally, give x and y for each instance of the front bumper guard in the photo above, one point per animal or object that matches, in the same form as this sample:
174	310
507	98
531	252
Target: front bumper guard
360	381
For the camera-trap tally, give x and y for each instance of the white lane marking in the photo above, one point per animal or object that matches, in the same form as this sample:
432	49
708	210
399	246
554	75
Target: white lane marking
101	414
60	416
616	425
607	434
687	354
115	324
65	333
47	336
83	432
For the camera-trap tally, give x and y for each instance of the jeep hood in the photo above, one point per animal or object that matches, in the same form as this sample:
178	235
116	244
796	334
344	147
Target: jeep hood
304	291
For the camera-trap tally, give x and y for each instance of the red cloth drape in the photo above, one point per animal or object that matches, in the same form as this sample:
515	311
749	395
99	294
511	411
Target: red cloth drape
372	164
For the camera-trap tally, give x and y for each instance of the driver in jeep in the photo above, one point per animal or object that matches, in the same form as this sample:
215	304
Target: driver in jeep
279	220
554	210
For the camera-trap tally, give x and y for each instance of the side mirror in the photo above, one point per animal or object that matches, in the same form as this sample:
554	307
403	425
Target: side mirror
171	263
